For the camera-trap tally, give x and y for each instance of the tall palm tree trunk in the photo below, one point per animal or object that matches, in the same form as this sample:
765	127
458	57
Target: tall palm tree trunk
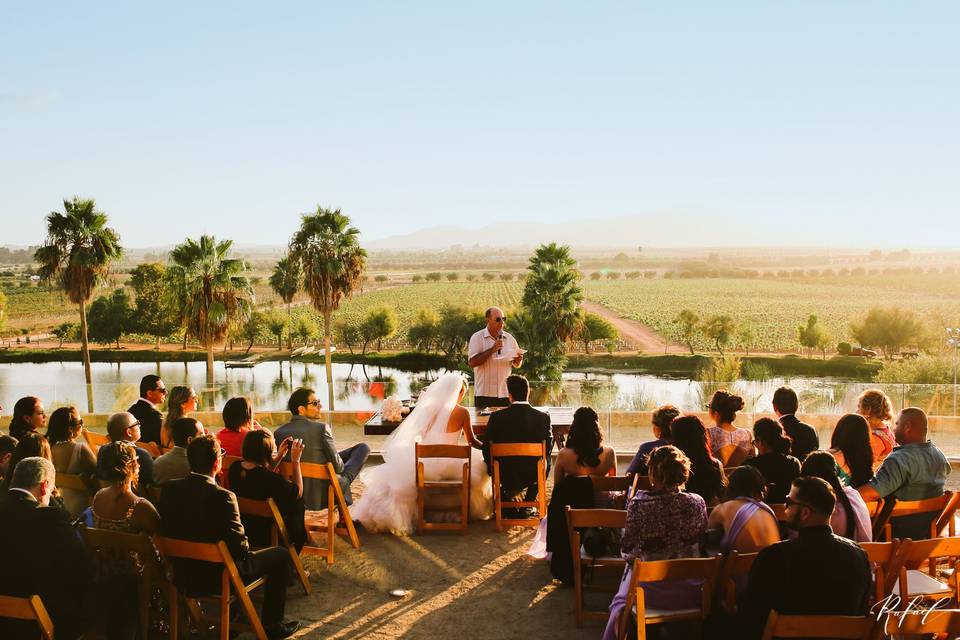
85	355
289	328
210	362
326	357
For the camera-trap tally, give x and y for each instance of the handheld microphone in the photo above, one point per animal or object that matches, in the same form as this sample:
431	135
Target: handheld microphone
500	337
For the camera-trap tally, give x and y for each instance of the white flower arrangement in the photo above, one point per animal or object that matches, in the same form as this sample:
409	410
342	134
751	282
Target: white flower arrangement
392	410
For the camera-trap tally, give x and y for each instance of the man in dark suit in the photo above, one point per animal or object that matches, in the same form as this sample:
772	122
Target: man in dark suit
804	437
196	509
41	554
517	423
320	447
152	393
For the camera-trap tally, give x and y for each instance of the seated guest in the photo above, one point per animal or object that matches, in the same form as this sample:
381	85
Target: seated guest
519	422
253	478
41	554
875	406
123	427
173	465
661	420
748	524
7	445
851	518
28	415
71	454
583	453
774	462
152	393
196	509
818	573
181	402
118	508
663	523
320	447
706	476
850	447
31	445
914	470
728	443
803	437
237	422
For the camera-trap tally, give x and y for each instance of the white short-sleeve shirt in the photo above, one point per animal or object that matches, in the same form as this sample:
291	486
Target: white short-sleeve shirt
490	378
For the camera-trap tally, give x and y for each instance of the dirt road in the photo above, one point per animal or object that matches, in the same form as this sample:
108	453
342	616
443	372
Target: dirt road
646	339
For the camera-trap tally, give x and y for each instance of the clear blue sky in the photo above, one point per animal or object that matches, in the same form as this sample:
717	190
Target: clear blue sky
233	118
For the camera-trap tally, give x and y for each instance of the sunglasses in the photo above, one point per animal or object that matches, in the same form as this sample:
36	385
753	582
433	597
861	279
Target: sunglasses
499	320
162	390
77	423
314	403
135	424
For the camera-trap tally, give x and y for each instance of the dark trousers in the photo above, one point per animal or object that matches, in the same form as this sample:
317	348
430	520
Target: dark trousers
490	401
353	459
274	563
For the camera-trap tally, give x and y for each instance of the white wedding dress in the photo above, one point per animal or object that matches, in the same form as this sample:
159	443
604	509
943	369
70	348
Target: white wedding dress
389	500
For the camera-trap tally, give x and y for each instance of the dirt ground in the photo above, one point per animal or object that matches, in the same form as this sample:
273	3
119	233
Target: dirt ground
646	339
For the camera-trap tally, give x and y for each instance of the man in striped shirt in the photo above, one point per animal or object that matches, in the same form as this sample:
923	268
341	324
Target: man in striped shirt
493	353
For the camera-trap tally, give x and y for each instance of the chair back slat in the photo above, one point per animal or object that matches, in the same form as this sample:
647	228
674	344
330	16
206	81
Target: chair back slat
225	463
95	440
30	608
610	483
257	508
203	551
578	518
679	569
914	552
108	539
71	481
914	507
852	627
880	552
517	449
314	470
443	451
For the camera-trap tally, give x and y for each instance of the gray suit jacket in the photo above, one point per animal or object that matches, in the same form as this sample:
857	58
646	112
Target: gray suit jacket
319	447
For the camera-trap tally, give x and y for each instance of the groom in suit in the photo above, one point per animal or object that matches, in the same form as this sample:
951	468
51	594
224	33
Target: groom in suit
518	423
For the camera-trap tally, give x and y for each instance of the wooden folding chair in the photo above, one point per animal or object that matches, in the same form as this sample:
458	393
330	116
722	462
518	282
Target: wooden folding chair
278	531
619	486
95	440
885	561
852	627
640	482
913	583
28	609
706	569
519	450
215	553
578	519
77	483
329	525
735	565
104	539
426	487
944	506
225	463
915	623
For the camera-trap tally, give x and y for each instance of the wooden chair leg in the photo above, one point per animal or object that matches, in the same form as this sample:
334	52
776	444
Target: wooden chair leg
225	608
252	614
174	608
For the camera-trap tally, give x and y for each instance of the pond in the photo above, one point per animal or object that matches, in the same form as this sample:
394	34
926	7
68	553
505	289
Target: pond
362	388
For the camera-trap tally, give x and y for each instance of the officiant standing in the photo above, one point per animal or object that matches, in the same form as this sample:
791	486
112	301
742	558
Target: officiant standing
493	353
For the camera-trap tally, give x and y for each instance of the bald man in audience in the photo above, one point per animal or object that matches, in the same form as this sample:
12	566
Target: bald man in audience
124	427
915	470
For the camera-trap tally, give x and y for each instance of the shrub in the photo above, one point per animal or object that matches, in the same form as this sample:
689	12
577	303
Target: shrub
844	348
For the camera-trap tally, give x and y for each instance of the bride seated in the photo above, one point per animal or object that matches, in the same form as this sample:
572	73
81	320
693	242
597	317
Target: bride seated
389	500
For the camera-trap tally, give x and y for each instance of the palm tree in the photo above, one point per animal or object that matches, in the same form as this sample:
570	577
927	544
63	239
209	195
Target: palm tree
329	252
216	293
78	252
285	282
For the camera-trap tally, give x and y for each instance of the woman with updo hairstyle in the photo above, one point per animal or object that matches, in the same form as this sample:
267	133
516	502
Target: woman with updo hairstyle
663	523
28	415
181	402
851	518
730	444
775	463
71	455
583	453
748	524
253	478
875	406
706	473
660	420
850	447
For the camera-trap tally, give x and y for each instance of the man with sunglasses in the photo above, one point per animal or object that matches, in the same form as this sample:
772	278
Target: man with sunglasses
152	394
817	573
124	427
493	353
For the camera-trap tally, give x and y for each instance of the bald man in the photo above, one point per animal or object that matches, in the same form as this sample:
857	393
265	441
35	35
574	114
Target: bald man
914	470
124	427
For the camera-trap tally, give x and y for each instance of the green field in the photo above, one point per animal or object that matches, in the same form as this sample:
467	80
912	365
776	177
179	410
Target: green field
774	308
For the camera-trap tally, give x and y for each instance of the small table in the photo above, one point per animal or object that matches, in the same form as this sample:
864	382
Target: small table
560	420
